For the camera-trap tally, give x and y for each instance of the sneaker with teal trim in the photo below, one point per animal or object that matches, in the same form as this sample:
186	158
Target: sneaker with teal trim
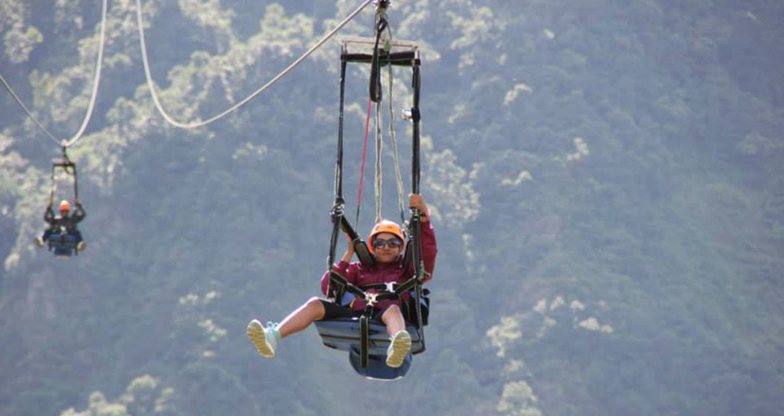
264	339
399	346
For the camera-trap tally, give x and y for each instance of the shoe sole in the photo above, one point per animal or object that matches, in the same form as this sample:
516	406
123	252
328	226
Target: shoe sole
401	345
259	339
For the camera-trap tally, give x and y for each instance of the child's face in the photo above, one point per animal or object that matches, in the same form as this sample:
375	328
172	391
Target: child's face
386	253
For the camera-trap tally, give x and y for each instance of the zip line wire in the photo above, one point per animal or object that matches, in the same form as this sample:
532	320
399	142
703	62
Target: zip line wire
197	124
29	114
94	96
148	74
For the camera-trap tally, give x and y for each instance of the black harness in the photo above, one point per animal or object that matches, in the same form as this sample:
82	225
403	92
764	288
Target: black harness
338	285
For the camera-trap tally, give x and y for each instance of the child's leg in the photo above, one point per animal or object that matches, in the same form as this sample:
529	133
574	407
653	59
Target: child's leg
266	339
393	319
400	340
302	317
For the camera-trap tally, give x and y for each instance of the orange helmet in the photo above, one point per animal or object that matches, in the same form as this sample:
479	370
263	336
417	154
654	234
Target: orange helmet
64	206
385	226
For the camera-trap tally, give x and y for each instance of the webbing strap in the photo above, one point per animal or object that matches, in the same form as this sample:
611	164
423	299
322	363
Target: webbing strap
52	188
364	336
339	164
70	169
415	225
393	140
409	252
364	156
381	26
406	286
364	319
346	286
416	117
360	247
375	66
399	289
337	209
379	172
360	293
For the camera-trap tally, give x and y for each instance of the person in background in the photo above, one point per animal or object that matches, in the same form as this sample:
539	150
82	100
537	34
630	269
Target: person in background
65	223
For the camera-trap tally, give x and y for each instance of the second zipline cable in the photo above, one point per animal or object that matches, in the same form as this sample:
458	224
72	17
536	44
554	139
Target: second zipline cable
197	124
93	97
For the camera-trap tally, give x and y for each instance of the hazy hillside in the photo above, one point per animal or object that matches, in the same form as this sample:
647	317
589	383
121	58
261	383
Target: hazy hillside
607	181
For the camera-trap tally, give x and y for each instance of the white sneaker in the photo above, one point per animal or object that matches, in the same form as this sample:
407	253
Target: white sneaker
81	246
263	338
39	242
399	347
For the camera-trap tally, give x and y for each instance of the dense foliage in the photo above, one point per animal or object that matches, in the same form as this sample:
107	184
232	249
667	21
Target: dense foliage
607	182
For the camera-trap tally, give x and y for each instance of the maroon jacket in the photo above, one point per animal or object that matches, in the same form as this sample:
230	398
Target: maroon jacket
360	275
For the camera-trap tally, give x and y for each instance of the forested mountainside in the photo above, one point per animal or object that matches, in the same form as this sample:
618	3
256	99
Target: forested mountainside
606	180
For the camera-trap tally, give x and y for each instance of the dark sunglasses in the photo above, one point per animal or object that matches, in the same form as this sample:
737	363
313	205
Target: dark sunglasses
392	243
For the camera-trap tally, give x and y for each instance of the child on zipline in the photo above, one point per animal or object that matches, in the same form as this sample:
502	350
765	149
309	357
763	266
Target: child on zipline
387	244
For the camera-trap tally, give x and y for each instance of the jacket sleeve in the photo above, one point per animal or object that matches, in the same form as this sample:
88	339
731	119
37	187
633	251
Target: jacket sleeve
79	214
49	215
349	271
429	249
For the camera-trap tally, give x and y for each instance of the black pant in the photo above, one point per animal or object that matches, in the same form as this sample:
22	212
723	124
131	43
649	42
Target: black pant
335	311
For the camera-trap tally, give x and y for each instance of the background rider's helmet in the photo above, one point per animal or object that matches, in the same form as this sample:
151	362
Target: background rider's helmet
385	226
65	206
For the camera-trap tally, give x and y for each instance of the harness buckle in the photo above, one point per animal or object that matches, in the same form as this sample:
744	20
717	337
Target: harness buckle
390	286
371	298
